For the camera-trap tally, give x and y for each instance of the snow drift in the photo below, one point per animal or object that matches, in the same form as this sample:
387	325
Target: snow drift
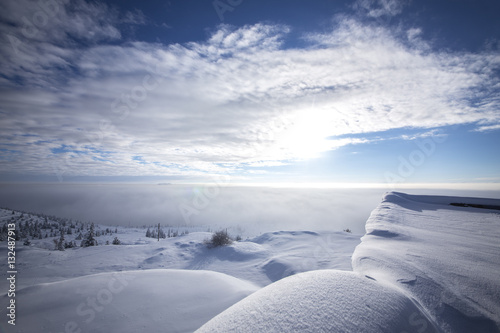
445	256
424	265
132	301
320	301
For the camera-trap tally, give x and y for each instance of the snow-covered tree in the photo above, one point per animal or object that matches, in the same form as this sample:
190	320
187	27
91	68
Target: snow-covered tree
60	243
70	245
90	237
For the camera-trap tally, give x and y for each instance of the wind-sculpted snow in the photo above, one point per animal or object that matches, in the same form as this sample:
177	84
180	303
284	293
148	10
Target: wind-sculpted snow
423	266
118	288
133	301
320	301
426	264
447	257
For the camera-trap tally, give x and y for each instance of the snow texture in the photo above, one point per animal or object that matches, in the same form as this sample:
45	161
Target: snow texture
424	265
134	301
320	301
445	256
168	285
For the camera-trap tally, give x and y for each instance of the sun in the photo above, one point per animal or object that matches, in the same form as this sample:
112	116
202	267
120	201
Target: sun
308	136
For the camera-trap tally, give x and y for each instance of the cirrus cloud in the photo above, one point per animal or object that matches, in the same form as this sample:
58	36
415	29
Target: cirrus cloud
239	98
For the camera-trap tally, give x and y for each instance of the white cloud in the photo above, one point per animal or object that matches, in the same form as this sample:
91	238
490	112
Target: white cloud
378	8
42	38
238	99
486	128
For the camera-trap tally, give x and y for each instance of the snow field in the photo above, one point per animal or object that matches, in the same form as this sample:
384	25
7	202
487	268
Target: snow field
169	285
423	266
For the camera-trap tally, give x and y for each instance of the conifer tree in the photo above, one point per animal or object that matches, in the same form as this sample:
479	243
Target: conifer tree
60	243
90	240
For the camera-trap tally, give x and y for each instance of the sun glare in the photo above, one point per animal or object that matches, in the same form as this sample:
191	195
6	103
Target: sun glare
307	137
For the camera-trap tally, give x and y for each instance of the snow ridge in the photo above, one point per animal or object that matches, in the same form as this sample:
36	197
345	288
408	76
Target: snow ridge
445	256
424	265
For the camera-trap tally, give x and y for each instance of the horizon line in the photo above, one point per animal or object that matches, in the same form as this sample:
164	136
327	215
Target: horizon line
493	186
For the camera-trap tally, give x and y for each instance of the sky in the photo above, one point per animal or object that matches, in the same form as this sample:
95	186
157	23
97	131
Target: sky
367	91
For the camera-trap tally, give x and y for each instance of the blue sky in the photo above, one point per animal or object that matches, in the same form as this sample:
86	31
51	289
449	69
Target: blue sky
366	91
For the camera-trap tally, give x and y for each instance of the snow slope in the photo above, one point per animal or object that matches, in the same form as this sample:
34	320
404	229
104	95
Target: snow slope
447	257
423	266
133	301
319	301
261	260
171	284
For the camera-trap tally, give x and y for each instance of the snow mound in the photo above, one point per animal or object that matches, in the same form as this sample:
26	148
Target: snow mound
321	301
425	264
239	251
275	255
446	256
276	269
132	301
282	236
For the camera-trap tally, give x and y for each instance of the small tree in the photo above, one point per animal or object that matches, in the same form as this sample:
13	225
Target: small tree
220	238
161	234
89	239
60	243
116	241
70	245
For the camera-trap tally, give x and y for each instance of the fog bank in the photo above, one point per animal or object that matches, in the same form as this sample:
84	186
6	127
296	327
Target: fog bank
250	210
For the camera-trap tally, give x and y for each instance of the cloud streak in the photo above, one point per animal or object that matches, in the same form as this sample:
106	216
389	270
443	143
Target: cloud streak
239	98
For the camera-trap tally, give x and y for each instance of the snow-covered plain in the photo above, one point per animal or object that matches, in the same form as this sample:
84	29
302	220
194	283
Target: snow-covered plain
422	266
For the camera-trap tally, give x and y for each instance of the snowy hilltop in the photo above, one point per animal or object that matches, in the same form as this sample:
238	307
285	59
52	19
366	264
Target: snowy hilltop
174	284
425	264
